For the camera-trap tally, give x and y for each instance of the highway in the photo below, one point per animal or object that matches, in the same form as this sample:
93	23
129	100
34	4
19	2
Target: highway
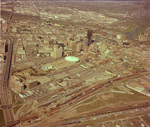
6	94
6	98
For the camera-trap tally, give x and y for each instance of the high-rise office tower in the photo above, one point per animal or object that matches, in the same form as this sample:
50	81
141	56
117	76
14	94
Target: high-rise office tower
97	38
78	47
85	42
72	45
89	36
57	52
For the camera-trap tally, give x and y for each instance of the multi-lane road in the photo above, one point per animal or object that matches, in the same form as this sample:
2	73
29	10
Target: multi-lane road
5	92
6	98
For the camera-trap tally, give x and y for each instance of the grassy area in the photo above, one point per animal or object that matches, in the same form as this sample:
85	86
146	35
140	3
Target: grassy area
14	100
6	14
114	29
91	106
146	25
17	71
90	100
38	74
2	121
147	43
146	118
138	68
13	97
16	109
19	102
116	88
131	28
111	98
94	123
65	23
118	97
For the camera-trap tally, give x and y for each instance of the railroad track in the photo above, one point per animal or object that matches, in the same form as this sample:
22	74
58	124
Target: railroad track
76	99
84	118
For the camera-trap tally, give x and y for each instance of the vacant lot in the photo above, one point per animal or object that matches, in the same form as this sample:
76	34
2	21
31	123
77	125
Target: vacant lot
2	121
6	14
113	98
94	105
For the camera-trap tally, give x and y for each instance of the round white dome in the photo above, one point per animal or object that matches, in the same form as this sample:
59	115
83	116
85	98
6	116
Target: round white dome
72	59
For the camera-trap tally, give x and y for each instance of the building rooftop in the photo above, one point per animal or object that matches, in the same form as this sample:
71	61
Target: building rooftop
72	59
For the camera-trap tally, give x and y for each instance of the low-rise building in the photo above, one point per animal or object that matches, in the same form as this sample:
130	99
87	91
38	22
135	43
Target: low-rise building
93	54
18	84
31	84
46	67
137	87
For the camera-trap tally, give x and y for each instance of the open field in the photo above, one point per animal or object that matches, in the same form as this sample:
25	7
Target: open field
67	23
94	105
146	118
16	108
114	120
13	97
110	98
16	17
2	121
114	98
90	100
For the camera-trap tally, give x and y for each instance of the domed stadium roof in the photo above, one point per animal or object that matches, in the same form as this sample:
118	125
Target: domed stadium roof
72	59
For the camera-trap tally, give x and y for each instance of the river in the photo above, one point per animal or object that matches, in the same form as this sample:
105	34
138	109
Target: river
130	35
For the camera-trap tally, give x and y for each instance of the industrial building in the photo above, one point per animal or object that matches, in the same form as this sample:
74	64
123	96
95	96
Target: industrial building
93	54
21	53
44	50
137	87
46	67
31	84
